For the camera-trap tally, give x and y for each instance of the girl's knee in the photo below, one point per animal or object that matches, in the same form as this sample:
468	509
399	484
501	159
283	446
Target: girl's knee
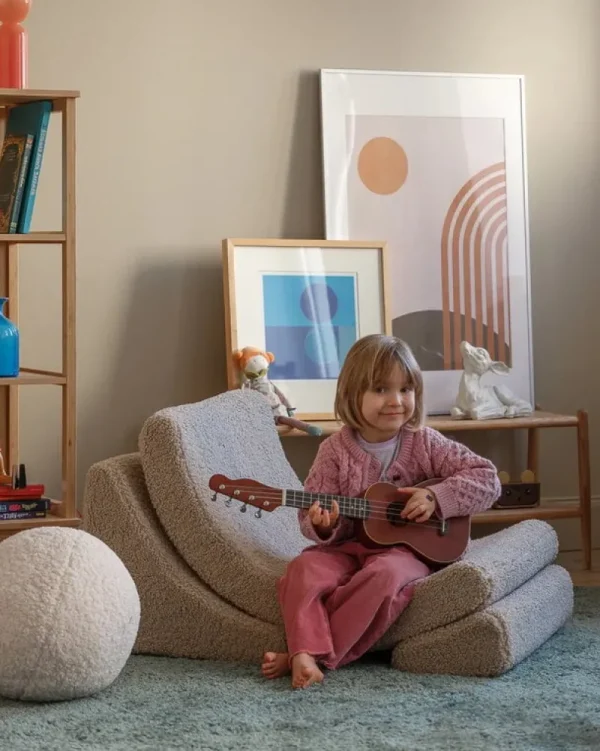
312	572
384	576
391	572
301	568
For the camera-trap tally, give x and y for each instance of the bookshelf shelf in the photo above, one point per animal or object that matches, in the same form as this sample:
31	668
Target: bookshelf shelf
511	516
32	378
51	519
10	97
63	513
34	237
444	423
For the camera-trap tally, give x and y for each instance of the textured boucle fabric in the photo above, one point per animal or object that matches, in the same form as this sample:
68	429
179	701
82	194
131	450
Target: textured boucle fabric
207	574
69	615
494	640
180	615
492	567
238	556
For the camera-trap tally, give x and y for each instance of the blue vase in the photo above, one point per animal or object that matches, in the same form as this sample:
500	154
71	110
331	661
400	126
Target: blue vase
9	344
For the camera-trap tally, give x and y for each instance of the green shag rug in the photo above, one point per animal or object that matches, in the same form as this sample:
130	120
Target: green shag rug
550	701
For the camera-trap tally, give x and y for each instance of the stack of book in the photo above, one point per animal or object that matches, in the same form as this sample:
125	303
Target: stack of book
18	500
23	506
20	164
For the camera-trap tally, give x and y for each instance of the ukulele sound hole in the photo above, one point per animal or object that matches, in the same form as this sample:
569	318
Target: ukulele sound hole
393	514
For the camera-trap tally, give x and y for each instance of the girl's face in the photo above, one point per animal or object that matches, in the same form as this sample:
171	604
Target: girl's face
387	407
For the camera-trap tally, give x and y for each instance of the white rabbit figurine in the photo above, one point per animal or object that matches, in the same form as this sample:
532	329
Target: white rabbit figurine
480	402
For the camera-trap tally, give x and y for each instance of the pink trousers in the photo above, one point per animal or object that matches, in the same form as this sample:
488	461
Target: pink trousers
338	601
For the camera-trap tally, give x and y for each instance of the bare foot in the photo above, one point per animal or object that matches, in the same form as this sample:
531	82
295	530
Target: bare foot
305	671
275	664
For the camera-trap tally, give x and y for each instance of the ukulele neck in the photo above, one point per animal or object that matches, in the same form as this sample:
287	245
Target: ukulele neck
353	508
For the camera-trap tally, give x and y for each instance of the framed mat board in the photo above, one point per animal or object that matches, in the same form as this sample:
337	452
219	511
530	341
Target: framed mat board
307	302
436	165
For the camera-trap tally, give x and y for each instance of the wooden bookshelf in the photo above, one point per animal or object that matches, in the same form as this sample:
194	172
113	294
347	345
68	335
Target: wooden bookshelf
63	513
582	509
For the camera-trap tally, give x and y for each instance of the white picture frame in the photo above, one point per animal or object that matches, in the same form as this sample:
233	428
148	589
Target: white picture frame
435	163
306	301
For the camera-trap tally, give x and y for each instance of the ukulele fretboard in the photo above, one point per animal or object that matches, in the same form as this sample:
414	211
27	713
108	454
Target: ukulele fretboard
354	508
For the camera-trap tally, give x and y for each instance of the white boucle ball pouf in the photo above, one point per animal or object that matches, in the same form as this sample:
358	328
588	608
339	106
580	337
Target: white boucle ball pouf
69	615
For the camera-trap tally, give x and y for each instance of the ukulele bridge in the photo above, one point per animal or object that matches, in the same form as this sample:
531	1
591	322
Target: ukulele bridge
443	528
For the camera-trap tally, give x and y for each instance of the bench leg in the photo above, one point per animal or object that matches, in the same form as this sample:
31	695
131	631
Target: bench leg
585	492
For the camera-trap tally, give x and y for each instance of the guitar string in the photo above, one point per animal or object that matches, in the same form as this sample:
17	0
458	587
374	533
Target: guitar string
278	495
379	515
393	516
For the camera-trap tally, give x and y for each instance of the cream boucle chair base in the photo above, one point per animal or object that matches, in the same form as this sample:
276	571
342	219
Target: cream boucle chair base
493	640
181	616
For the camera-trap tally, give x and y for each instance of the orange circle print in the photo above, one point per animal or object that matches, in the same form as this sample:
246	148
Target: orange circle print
383	165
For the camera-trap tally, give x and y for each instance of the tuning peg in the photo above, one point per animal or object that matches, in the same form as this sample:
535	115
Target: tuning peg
228	502
243	509
258	514
214	498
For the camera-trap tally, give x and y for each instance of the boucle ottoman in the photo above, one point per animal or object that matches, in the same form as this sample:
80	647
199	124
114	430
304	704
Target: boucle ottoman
69	615
494	640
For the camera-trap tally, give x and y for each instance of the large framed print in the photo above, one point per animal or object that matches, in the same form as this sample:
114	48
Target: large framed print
435	164
307	302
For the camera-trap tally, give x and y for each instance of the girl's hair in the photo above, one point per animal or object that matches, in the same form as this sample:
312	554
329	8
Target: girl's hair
368	365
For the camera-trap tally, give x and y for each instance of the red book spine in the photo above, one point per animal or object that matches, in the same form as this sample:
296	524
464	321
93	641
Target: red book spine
30	491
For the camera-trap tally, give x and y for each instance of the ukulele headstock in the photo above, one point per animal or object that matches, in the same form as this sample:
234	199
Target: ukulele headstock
247	492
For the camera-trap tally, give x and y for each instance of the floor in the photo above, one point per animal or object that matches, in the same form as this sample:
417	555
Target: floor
548	702
573	562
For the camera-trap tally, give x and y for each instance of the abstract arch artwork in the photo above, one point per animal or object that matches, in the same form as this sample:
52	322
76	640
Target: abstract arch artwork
475	294
435	165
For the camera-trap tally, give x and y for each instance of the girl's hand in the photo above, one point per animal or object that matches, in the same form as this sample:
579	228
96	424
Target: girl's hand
323	520
420	505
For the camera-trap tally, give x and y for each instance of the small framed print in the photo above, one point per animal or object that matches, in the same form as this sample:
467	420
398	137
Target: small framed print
307	302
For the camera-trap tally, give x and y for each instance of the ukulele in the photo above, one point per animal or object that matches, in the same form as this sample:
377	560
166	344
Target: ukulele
376	513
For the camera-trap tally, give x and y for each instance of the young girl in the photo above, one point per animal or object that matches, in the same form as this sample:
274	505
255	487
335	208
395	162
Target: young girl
339	597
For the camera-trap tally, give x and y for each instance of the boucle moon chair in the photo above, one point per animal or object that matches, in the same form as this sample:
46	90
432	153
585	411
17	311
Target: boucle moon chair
206	573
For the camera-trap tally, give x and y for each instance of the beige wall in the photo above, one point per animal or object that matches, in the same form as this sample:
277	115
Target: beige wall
205	123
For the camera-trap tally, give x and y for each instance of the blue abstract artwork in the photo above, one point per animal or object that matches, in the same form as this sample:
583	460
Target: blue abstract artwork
310	323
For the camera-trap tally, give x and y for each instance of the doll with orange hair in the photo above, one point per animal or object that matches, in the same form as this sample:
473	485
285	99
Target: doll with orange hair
253	366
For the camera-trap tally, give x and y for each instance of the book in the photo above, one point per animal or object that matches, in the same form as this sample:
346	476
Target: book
29	492
32	117
14	160
14	215
12	516
38	506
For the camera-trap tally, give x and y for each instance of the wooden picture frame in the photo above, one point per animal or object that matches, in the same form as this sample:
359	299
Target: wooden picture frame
306	301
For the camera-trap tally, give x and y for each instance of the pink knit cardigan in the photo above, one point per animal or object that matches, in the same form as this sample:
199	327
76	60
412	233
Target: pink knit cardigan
468	483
